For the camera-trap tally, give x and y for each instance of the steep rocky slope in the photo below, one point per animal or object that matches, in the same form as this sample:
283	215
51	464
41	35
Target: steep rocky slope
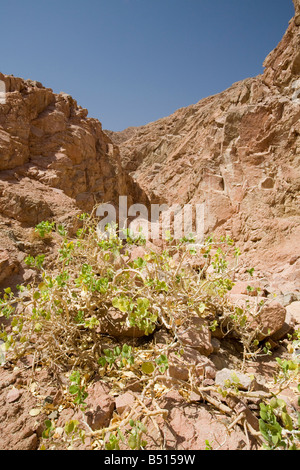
54	162
238	152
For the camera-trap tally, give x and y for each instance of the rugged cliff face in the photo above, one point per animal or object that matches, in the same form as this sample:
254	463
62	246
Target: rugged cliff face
237	152
54	162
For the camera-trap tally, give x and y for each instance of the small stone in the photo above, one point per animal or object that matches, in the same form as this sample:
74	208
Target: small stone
242	381
53	415
124	402
100	406
196	334
13	395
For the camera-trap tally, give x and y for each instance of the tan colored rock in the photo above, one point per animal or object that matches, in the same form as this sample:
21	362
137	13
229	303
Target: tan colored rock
100	406
190	426
237	153
54	163
252	288
125	402
293	311
267	318
181	364
114	323
195	334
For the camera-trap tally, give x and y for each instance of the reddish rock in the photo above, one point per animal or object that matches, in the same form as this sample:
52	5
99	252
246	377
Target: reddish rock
293	311
237	153
100	406
125	402
115	324
267	318
193	426
252	288
270	320
13	395
180	364
54	163
196	334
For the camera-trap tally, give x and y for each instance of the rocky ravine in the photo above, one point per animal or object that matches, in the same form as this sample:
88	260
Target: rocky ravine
238	152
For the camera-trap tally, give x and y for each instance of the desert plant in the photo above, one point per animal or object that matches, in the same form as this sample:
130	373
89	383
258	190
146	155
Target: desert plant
58	317
86	280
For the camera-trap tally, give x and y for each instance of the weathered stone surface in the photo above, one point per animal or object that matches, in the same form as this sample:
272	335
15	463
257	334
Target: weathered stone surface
191	426
242	381
100	406
196	334
125	402
267	319
190	360
271	320
13	395
18	429
115	323
293	311
54	163
237	153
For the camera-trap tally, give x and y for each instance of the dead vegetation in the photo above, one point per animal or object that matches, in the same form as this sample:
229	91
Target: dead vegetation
98	311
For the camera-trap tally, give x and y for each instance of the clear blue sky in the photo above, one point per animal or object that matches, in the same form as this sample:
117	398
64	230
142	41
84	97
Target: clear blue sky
130	62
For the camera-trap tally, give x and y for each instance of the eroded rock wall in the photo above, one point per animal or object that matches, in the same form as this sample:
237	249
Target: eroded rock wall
237	152
54	162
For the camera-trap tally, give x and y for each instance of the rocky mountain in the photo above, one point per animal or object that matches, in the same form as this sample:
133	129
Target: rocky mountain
54	163
238	153
175	366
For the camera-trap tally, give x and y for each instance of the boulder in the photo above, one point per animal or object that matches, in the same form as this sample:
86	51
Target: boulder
196	334
100	406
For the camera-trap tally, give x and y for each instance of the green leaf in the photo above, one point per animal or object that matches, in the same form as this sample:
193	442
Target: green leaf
148	368
102	361
142	427
274	403
73	389
121	435
122	304
132	441
38	327
287	421
264	430
71	426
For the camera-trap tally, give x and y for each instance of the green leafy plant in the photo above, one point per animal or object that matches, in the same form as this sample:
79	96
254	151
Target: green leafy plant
44	228
78	390
62	312
73	430
49	429
135	438
131	438
36	262
277	427
121	357
163	363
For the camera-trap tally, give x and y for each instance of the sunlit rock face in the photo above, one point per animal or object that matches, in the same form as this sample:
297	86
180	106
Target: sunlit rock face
54	163
237	152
